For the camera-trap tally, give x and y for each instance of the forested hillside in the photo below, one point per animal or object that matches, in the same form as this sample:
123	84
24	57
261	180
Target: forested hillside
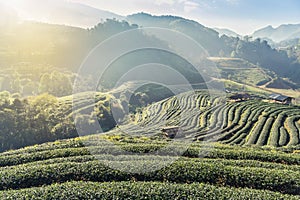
44	47
256	51
44	118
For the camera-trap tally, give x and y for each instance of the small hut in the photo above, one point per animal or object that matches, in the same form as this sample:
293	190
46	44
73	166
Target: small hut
170	131
240	97
282	99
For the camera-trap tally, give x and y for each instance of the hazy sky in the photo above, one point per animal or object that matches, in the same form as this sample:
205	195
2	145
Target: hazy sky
242	16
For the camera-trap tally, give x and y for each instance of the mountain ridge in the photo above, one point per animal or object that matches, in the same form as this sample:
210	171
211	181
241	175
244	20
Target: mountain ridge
228	32
280	33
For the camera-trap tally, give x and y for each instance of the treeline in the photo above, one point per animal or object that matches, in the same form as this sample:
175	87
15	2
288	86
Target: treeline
44	118
31	121
37	80
260	52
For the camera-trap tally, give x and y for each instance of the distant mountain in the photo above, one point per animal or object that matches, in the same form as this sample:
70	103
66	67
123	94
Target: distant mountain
207	37
281	33
63	12
224	31
66	47
288	43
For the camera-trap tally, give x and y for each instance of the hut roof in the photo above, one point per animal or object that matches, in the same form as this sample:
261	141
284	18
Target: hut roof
169	128
279	97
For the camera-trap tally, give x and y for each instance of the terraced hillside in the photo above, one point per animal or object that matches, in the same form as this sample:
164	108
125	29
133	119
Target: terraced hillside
67	170
198	115
133	161
242	71
210	118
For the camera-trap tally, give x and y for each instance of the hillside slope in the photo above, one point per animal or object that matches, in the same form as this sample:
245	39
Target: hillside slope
241	71
137	161
200	116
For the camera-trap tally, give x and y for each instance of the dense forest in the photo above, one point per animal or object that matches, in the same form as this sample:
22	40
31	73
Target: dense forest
44	118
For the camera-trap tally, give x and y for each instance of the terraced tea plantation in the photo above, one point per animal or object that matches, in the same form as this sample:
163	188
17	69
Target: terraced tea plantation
211	118
223	150
67	170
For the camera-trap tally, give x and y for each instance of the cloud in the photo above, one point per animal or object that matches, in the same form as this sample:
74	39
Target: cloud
233	2
190	6
185	5
168	2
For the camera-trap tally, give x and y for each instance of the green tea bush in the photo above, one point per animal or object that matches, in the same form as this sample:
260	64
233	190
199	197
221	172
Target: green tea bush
284	181
139	190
